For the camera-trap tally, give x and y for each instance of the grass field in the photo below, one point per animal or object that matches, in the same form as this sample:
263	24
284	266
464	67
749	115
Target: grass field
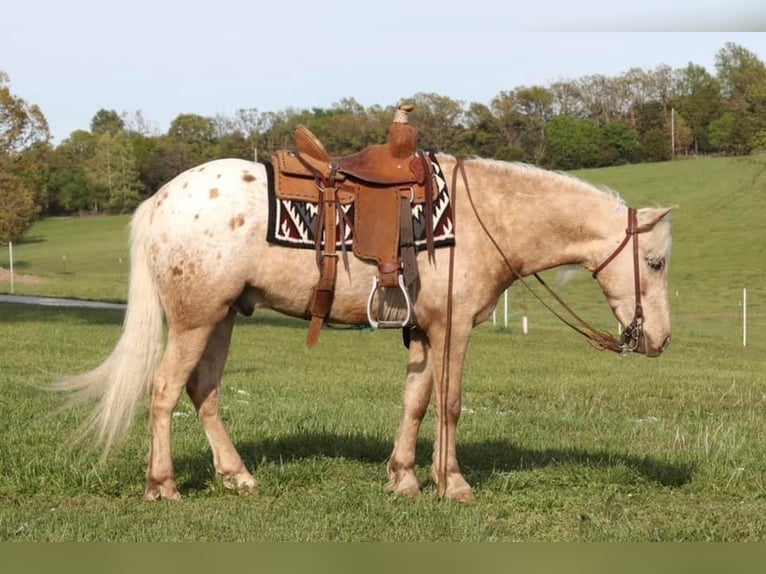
560	442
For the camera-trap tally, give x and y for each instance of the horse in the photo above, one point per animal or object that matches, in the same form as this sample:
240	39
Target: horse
199	256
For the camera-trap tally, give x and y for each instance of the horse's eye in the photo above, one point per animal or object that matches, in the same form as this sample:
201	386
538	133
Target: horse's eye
656	264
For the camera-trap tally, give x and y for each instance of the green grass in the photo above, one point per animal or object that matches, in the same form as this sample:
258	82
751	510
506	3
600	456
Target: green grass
83	258
560	442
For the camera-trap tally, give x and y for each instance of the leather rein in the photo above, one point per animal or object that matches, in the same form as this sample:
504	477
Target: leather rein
596	337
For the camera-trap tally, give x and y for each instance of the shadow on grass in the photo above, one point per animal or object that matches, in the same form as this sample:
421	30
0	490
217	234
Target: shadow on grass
18	265
30	240
480	461
20	313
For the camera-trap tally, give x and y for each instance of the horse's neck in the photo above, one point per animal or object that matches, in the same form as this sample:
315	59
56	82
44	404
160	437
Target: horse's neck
546	220
568	225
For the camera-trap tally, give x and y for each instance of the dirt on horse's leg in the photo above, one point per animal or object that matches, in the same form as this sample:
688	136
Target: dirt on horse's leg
417	395
204	390
182	354
456	487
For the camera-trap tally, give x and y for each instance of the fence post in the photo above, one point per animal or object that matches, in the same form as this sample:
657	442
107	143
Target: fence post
505	309
744	316
10	257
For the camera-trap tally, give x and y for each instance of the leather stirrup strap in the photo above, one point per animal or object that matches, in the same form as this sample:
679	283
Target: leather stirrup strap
407	243
322	296
429	205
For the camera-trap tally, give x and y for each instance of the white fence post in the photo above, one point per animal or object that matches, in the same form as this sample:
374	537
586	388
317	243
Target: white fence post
744	316
505	309
10	257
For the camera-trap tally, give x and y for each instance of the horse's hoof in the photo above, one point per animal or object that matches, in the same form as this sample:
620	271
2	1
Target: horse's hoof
243	483
457	489
461	494
164	491
406	486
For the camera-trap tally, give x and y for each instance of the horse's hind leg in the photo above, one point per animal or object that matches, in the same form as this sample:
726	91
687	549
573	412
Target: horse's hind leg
183	352
204	389
417	395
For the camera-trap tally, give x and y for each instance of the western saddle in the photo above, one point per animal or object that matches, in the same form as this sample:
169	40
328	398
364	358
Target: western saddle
382	181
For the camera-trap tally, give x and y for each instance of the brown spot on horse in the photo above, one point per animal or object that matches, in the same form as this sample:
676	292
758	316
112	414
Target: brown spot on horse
237	221
248	177
214	193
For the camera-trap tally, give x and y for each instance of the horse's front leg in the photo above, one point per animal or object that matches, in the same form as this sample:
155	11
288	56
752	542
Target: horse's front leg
417	395
448	400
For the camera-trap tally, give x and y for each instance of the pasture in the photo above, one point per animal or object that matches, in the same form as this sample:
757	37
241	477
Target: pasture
561	442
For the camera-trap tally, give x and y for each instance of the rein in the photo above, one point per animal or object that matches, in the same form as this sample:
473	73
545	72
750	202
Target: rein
441	464
598	338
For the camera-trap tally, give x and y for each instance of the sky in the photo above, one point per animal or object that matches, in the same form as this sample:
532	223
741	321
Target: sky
165	58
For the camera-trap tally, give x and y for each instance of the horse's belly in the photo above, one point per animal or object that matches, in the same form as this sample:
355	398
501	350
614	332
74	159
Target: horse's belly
285	278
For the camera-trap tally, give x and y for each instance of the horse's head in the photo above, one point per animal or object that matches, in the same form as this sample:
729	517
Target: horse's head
634	279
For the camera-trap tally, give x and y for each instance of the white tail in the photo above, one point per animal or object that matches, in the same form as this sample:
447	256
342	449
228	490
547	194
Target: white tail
122	379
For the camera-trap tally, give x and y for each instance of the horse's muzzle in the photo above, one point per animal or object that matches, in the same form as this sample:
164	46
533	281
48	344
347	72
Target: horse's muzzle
654	352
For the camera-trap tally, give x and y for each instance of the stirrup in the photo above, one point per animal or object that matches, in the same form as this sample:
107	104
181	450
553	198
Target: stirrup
389	324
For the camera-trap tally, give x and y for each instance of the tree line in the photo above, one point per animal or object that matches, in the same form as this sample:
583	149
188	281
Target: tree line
592	121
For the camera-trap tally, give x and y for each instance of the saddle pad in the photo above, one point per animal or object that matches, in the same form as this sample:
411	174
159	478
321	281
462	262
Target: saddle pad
292	222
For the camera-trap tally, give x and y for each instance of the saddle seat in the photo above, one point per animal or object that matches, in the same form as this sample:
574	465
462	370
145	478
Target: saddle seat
382	181
384	164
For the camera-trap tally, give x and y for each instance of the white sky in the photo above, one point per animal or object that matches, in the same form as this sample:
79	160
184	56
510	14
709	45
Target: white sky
75	57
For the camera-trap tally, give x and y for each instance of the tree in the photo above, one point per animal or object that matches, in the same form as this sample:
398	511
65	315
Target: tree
731	133
113	169
483	136
599	98
567	99
23	130
573	143
655	145
70	188
522	114
440	122
743	82
536	106
699	102
621	144
107	122
191	140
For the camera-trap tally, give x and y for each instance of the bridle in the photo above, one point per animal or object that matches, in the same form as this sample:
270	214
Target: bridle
598	338
633	332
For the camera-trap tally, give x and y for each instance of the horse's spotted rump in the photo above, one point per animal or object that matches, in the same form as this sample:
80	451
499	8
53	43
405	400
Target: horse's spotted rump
162	196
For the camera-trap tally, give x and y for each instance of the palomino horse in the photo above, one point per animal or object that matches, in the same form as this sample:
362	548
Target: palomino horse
199	255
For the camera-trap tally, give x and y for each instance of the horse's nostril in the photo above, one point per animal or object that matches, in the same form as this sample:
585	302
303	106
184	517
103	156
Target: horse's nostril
666	343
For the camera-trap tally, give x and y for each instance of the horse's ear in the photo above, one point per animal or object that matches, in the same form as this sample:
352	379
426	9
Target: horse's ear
649	217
